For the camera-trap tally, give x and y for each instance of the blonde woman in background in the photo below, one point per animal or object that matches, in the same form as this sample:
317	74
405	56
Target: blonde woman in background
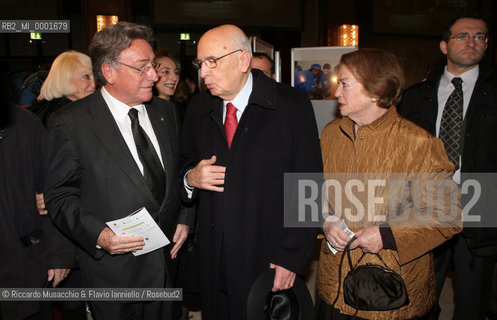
70	79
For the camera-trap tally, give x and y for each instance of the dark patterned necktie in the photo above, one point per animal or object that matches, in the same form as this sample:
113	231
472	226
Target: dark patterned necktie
152	168
451	124
230	123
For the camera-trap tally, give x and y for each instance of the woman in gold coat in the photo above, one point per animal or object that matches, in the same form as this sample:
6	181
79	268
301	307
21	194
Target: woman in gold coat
371	141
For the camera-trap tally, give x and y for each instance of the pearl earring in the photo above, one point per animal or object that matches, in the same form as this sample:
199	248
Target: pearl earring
374	100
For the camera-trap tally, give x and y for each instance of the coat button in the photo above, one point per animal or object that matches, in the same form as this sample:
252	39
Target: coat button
211	256
212	226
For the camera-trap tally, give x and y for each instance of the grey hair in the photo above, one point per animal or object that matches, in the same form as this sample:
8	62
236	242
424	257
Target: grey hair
241	41
107	45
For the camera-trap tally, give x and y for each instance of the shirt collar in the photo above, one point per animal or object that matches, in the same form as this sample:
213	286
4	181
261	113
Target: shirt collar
242	98
119	109
468	78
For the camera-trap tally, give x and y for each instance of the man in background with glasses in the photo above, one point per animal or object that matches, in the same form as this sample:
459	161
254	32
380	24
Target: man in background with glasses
238	140
458	104
109	155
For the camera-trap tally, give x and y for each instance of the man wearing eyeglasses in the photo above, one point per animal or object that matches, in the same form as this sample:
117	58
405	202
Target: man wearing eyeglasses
458	103
109	155
238	140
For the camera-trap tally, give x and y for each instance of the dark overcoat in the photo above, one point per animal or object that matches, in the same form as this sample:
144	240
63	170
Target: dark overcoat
92	178
276	134
30	243
479	144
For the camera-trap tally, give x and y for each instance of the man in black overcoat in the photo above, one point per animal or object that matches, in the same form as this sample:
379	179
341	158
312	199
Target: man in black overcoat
98	171
238	141
473	253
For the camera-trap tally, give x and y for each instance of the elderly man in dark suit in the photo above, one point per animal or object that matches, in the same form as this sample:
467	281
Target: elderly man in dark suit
470	84
110	154
238	141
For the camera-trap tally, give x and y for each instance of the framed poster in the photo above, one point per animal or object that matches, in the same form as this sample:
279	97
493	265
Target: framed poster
313	71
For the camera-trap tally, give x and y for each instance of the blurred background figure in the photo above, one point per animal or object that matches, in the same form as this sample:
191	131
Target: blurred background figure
185	90
326	79
33	254
168	69
28	90
70	78
312	82
264	63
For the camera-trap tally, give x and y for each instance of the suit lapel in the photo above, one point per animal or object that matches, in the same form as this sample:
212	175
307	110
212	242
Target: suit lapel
105	128
216	114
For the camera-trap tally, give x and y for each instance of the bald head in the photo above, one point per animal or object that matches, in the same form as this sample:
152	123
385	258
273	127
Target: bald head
229	48
229	36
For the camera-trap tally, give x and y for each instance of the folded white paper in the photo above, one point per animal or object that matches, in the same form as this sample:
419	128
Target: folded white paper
140	223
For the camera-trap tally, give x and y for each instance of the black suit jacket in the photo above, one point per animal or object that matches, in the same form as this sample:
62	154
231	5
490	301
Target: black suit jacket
276	134
479	138
92	178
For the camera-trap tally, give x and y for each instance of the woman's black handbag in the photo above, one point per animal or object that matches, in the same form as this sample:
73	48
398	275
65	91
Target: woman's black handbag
372	287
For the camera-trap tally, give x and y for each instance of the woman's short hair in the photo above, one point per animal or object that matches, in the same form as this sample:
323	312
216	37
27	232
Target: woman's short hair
59	80
107	44
160	53
378	71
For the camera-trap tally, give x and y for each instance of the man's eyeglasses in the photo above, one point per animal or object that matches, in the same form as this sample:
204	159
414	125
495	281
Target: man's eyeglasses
211	62
142	70
478	38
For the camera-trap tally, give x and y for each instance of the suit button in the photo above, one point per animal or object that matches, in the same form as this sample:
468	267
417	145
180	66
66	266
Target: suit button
212	226
211	256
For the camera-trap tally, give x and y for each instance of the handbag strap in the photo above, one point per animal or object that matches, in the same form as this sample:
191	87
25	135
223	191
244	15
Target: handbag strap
346	250
379	257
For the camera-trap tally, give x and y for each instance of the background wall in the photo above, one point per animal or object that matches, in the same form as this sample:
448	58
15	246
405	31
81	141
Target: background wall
410	29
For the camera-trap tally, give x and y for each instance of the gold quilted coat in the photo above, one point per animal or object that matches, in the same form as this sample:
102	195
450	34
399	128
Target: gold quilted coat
391	144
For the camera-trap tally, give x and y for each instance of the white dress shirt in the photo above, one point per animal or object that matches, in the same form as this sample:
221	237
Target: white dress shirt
120	111
241	100
445	88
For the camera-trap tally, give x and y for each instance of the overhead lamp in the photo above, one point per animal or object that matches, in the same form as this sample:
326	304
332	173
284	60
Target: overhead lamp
105	21
348	35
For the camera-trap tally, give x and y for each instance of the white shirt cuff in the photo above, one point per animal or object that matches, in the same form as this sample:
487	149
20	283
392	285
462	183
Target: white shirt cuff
188	188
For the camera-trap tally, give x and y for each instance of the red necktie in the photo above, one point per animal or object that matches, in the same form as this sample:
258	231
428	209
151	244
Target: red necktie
230	122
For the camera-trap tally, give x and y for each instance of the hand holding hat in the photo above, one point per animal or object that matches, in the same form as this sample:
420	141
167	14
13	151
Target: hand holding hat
292	304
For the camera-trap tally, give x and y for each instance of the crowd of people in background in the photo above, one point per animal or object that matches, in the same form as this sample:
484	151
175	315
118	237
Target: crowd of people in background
106	134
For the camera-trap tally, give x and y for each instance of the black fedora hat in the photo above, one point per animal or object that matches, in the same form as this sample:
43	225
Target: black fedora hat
292	304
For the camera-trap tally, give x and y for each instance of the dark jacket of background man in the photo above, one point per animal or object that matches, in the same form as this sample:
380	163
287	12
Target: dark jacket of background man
479	154
29	241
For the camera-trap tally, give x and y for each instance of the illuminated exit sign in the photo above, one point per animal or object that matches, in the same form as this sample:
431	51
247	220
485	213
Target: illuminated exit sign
184	36
35	35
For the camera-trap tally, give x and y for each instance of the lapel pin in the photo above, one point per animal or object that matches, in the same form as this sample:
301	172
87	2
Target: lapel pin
161	118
